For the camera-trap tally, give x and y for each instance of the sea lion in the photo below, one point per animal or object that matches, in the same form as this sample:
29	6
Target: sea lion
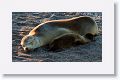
67	40
81	29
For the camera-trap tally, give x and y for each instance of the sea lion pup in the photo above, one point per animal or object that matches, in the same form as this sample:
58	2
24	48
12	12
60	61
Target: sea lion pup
81	29
67	40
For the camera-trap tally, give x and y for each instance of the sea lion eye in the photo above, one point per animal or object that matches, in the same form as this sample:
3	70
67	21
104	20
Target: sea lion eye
23	45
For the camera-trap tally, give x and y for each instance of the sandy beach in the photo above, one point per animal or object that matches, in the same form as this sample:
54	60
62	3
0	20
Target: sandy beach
23	22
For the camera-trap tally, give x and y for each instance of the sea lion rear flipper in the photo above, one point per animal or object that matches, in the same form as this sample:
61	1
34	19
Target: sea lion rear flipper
90	36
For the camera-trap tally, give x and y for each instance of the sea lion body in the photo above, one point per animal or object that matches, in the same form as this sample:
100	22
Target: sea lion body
80	25
49	31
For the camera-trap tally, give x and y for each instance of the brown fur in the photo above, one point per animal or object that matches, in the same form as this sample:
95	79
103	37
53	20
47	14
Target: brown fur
50	32
72	24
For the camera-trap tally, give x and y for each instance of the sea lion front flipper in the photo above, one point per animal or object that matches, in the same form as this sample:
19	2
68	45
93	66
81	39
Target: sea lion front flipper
81	40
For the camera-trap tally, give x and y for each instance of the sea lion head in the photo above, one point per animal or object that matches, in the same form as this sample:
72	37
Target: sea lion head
30	42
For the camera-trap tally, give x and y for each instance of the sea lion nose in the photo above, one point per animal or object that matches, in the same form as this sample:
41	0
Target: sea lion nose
25	49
